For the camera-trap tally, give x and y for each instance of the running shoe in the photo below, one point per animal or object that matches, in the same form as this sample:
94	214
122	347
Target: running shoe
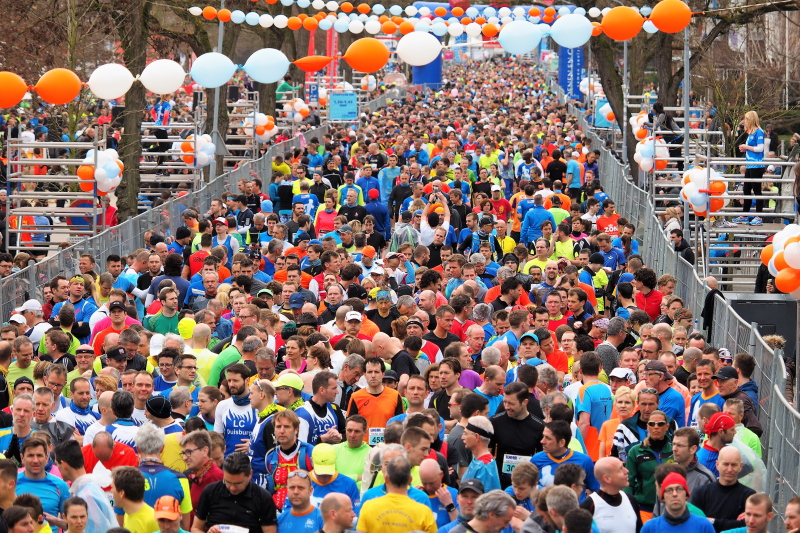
723	223
756	222
741	220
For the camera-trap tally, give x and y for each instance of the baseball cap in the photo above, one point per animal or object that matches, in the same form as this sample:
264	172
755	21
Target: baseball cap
315	241
496	188
167	507
472	484
116	353
324	459
390	374
291	380
156	344
719	422
597	258
264	291
622	373
726	372
186	327
17	319
392	255
658	366
158	406
301	236
296	300
356	291
529	335
116	305
487	221
418	212
30	305
378	270
23	379
220	220
369	251
353	315
182	233
345	228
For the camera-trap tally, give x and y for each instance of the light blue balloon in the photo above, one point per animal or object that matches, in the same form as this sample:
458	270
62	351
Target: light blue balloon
536	20
237	17
489	12
378	9
396	10
341	25
423	26
325	24
353	16
439	29
472	12
212	70
645	10
698	198
437	20
647	150
208	148
544	28
452	20
344	16
267	65
571	31
112	170
252	18
649	27
90	155
287	3
303	3
579	11
519	37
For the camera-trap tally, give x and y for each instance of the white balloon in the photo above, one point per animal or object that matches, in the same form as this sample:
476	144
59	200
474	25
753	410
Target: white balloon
519	12
605	11
100	175
362	17
594	12
356	26
493	20
265	20
473	29
110	81
504	12
418	48
319	5
411	11
455	30
280	21
646	164
112	154
506	20
332	5
298	118
424	11
791	254
261	119
201	159
196	11
162	76
373	27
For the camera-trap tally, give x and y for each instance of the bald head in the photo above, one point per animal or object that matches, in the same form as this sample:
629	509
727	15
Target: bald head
104	401
711	282
730	454
430	471
605	467
332	504
112	339
201	332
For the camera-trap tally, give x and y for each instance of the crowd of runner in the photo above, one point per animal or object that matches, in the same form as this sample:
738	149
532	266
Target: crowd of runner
432	321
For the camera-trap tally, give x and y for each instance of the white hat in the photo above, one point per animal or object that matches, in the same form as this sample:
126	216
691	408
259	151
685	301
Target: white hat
156	344
496	188
353	315
17	319
30	305
623	373
377	270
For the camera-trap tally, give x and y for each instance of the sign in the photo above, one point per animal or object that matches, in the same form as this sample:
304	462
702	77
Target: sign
343	107
312	94
600	121
570	67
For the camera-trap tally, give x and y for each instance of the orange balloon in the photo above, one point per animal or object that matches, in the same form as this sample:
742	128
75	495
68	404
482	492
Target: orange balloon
389	27
701	213
319	16
224	15
347	7
671	16
457	11
780	262
313	63
480	20
534	12
397	20
272	1
85	172
466	20
367	55
788	280
383	18
187	146
790	240
120	165
12	89
661	164
766	254
611	117
304	111
550	11
716	204
302	16
641	133
188	159
622	23
364	8
86	186
718	187
294	23
406	27
59	86
440	11
261	130
322	101
270	122
310	24
548	19
209	13
597	30
490	30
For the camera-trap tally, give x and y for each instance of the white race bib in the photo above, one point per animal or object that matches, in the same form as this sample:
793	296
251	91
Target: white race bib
375	436
511	461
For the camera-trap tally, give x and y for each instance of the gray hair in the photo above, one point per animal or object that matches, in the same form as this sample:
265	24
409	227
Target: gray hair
483	423
44	391
354	360
561	499
482	312
504	273
549	399
26	396
251	344
490	356
265	354
477	258
389	447
129	335
149	439
616	326
175	336
398	470
494	502
548	375
113	372
406	300
179	396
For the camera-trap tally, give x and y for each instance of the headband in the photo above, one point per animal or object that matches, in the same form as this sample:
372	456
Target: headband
480	431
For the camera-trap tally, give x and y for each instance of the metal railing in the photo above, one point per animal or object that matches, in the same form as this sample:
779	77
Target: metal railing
129	235
383	100
780	420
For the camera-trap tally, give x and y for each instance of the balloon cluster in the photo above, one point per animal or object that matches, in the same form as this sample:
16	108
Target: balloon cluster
197	152
696	185
260	126
782	258
606	112
651	153
594	85
101	168
297	110
369	83
637	125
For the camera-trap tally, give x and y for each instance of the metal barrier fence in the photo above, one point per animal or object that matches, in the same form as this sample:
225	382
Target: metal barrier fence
780	420
383	100
129	235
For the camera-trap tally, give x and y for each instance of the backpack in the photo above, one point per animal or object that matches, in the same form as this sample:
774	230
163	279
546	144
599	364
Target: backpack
403	235
476	243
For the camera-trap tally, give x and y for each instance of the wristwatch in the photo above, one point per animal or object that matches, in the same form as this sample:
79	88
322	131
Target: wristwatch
450	508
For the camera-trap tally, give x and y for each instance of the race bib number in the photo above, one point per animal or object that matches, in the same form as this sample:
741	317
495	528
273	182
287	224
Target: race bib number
511	461
375	436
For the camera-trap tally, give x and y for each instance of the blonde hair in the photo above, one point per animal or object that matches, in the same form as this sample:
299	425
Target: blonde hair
751	122
625	391
223	294
671	212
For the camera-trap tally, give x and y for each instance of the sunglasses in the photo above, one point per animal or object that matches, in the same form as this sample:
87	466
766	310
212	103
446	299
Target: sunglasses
302	474
656	424
648	390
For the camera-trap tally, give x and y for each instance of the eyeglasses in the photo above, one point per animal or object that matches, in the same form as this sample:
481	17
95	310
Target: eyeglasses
677	489
302	474
648	390
656	424
187	453
164	365
653	373
189	367
246	316
232	484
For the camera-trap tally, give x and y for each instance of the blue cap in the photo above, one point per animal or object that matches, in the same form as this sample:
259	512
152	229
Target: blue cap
296	300
418	212
626	277
529	335
315	241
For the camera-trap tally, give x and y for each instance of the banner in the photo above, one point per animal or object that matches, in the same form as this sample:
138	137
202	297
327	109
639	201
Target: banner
343	107
570	69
